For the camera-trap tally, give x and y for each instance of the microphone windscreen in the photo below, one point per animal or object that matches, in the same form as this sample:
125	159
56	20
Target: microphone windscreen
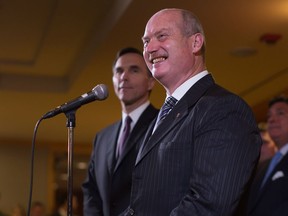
101	91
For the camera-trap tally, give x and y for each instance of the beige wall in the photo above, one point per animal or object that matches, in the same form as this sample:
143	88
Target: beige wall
15	175
15	161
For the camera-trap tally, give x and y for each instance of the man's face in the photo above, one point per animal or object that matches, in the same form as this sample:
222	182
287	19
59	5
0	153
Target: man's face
277	124
131	80
167	52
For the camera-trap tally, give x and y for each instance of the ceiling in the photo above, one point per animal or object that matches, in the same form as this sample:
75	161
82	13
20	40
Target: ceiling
52	51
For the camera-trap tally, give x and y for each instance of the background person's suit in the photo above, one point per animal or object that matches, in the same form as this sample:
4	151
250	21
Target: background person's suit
181	172
113	177
272	199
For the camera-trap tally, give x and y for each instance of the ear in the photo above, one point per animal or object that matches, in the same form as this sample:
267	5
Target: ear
197	42
151	83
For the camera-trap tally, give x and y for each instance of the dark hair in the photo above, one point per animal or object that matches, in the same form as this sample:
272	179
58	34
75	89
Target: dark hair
278	99
126	51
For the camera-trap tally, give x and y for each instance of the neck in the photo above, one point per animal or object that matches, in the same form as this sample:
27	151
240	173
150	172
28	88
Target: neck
128	108
281	143
171	88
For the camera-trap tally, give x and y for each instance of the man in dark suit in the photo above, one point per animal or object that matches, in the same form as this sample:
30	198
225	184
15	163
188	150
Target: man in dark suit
108	184
199	158
269	197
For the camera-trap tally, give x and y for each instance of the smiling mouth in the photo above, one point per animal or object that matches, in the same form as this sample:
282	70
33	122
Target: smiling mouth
157	60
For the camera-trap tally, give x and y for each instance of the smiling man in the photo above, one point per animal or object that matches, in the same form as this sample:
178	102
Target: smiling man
198	158
107	187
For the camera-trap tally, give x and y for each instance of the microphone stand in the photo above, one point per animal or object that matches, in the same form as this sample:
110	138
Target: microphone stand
70	124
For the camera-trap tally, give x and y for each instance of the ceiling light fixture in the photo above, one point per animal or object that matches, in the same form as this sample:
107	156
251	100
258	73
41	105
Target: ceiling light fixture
243	51
270	38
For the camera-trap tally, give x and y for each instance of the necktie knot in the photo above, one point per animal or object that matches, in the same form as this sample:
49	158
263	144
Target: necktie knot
128	120
124	135
167	106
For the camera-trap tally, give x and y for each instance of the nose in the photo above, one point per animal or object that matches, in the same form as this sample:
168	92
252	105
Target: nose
151	46
124	75
271	118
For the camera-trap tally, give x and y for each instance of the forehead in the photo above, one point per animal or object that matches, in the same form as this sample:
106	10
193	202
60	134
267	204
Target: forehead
163	20
279	105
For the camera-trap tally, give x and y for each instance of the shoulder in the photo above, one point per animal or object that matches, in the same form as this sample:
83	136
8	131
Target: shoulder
219	98
107	133
109	128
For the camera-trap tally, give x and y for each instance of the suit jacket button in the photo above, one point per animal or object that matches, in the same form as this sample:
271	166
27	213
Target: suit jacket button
131	211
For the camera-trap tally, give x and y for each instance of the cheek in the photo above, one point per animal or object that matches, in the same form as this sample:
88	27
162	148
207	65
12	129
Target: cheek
115	83
141	87
285	128
146	58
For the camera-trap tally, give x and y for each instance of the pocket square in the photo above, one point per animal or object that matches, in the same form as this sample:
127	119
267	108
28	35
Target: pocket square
277	175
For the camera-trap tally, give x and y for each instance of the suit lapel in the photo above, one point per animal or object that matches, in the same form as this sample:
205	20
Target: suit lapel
179	112
110	156
140	128
146	139
278	167
255	190
163	128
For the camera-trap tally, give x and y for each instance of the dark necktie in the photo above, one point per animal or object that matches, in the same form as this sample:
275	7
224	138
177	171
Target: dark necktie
167	106
276	158
124	136
165	109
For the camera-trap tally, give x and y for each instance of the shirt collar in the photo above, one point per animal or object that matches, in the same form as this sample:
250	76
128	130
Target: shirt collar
284	149
184	87
135	114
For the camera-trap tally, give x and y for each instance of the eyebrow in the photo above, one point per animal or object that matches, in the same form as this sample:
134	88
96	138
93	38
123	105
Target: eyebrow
156	33
134	67
130	67
144	38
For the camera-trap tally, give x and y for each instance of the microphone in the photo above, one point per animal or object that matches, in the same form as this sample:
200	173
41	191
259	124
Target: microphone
99	92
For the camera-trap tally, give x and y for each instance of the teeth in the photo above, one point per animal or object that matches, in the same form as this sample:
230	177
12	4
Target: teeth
156	60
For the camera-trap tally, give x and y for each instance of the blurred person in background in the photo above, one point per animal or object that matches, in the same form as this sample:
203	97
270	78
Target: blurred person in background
62	205
269	191
37	209
268	147
107	187
18	210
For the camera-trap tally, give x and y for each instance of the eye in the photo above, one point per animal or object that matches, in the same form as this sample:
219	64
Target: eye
118	71
135	69
162	37
145	43
281	112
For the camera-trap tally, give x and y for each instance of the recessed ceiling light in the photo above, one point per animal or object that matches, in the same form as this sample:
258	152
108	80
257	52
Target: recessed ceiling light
243	51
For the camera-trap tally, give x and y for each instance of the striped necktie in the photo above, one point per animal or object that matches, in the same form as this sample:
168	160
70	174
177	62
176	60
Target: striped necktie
166	108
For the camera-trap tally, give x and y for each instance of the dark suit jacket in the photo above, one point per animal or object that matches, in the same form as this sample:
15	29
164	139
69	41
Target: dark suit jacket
199	159
272	199
108	184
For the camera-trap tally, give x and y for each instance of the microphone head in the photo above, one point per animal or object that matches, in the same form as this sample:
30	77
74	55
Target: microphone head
101	91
